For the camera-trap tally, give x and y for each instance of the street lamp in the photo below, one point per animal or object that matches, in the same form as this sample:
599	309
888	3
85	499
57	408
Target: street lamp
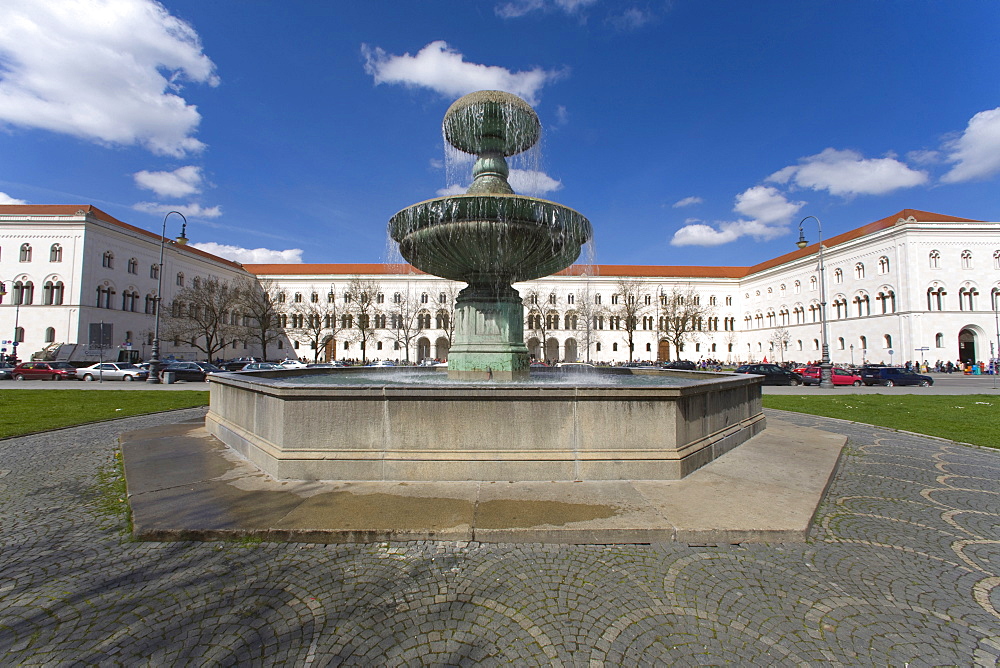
852	355
825	368
154	359
17	316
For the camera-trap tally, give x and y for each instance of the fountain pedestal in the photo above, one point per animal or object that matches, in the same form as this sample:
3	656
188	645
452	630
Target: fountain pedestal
489	335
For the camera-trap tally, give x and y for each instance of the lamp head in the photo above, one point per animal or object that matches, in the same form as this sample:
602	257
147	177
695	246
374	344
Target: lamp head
182	239
801	243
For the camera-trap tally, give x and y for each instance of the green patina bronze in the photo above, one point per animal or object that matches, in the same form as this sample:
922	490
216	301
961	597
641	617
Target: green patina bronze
490	237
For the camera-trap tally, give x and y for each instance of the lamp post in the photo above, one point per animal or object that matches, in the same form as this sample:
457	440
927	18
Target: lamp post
17	317
852	355
154	359
825	368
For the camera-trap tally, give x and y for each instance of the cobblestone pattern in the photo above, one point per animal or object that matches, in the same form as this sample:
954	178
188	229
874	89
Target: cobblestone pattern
903	568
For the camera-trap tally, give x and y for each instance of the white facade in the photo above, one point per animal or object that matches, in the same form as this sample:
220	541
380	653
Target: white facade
921	285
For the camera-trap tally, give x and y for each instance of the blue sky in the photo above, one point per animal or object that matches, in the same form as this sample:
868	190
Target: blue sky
688	132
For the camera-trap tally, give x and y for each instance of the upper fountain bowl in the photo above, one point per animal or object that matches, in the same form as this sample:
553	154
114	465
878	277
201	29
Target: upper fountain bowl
491	122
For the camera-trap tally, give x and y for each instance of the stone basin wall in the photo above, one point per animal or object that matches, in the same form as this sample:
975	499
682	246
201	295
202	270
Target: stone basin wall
482	432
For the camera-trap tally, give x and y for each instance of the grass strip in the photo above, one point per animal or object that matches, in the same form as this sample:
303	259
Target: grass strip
968	418
31	411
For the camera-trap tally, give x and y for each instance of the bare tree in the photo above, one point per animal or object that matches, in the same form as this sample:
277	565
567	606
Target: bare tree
404	323
681	316
535	305
314	319
201	316
451	293
779	339
731	339
631	304
587	310
363	308
260	300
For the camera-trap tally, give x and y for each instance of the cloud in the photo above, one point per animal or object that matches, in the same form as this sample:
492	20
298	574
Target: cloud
181	182
688	201
631	19
770	210
453	189
252	255
846	173
976	153
189	210
7	199
518	8
108	71
442	69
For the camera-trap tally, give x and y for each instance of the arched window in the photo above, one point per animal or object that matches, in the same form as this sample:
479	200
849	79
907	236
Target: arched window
133	266
330	297
597	300
840	343
864	342
180	279
196	283
935	259
887	340
52	293
838	275
859	270
25	253
995	299
442	320
996	259
50	334
108	261
314	298
883	265
55	253
967	299
397	298
154	271
935	298
966	259
24	293
298	297
939	340
812	283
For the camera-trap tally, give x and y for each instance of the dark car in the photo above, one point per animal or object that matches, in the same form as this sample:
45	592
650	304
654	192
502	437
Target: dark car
239	363
5	370
44	371
681	365
773	374
192	371
888	376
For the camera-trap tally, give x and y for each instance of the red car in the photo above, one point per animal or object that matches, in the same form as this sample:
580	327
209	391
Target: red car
44	371
810	376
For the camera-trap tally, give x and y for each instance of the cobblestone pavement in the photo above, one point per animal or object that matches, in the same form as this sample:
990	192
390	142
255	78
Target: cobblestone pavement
904	567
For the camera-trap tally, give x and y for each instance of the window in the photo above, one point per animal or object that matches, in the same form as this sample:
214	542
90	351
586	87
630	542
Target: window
597	300
314	298
397	298
887	298
859	270
50	334
55	253
196	283
330	297
281	297
298	298
552	298
442	320
939	340
935	298
729	301
966	259
25	253
154	271
108	261
52	293
995	299
104	295
180	279
838	275
883	265
840	343
966	298
133	266
812	283
424	298
711	300
570	298
935	259
996	259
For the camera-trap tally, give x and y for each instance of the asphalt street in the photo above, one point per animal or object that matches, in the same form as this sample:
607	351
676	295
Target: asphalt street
903	568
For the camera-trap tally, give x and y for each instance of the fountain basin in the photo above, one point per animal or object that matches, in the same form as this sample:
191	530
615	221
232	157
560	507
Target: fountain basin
481	431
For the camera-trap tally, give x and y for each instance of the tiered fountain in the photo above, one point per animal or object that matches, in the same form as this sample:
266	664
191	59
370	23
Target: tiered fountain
490	237
311	424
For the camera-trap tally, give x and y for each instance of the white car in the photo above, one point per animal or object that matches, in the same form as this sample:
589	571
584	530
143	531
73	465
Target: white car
112	371
291	364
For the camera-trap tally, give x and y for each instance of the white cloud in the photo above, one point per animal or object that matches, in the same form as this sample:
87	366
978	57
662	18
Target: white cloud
770	210
977	152
181	182
104	70
7	199
766	205
847	173
688	201
924	157
453	189
630	19
444	70
252	255
517	8
189	210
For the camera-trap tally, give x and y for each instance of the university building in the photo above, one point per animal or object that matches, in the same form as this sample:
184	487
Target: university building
911	286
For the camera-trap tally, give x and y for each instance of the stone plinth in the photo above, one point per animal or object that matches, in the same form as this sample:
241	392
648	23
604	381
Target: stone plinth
482	431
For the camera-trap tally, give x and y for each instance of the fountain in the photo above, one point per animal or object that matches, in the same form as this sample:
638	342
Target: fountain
487	420
490	237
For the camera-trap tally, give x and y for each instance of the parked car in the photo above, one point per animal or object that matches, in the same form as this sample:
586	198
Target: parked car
5	370
44	371
191	371
538	365
261	366
575	367
773	374
291	364
112	371
888	376
811	376
238	363
680	365
382	363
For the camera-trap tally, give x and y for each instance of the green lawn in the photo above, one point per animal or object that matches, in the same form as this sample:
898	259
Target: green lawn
970	418
29	411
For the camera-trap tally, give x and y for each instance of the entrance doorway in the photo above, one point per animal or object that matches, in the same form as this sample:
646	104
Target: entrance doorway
663	352
967	345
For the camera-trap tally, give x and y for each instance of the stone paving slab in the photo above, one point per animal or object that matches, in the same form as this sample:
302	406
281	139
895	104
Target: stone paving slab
184	484
902	568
